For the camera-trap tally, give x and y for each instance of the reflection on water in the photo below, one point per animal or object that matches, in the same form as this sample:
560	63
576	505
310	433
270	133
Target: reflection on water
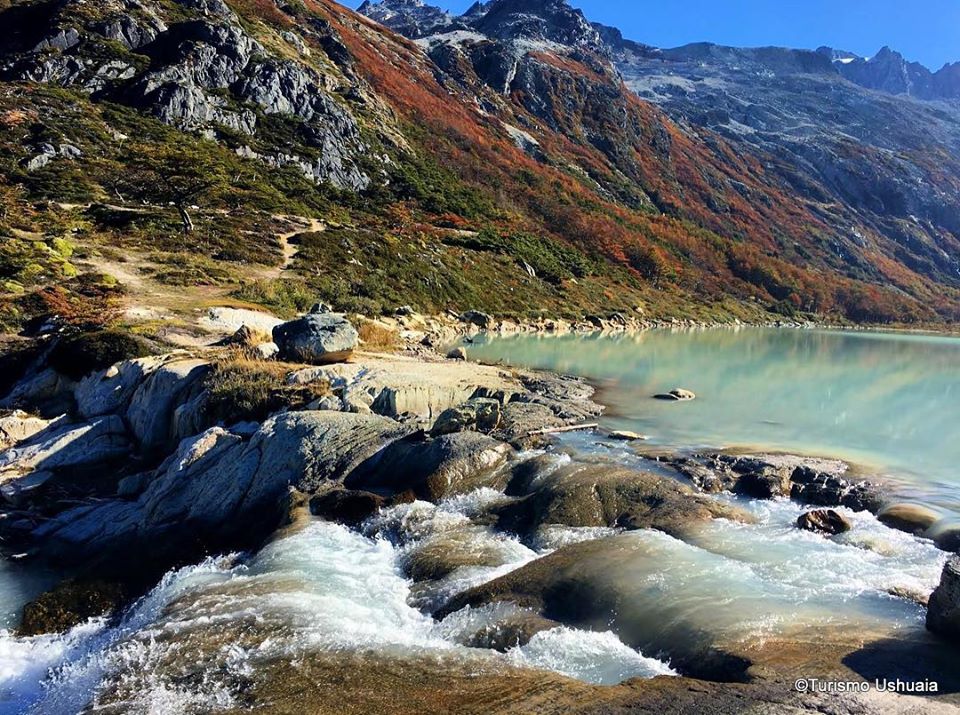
890	401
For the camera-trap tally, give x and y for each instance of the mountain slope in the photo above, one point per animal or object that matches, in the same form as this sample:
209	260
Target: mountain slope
501	164
875	177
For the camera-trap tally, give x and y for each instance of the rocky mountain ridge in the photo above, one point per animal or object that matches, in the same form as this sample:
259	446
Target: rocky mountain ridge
863	161
517	146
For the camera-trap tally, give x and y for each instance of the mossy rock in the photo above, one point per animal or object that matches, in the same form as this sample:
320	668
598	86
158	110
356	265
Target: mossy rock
79	355
68	605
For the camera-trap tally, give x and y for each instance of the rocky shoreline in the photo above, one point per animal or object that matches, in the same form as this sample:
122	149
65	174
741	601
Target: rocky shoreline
185	454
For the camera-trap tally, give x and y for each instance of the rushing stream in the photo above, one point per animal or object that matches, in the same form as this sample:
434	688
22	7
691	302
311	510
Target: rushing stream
889	401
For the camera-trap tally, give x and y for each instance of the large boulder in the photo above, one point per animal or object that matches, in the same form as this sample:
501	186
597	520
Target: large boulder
640	586
606	495
153	405
943	613
318	338
438	468
218	489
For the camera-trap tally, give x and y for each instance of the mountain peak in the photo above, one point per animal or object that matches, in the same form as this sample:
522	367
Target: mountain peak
545	20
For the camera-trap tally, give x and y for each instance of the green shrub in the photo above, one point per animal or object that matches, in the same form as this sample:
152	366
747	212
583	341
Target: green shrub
81	354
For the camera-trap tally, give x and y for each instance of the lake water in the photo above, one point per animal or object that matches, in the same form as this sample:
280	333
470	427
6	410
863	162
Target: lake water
889	402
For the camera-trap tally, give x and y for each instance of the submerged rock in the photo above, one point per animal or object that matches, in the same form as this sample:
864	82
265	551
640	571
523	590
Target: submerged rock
318	338
824	521
605	495
677	395
68	605
943	613
911	518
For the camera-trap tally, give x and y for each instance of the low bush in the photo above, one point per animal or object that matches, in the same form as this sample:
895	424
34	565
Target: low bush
242	389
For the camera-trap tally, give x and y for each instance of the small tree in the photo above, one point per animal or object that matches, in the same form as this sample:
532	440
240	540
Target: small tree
180	177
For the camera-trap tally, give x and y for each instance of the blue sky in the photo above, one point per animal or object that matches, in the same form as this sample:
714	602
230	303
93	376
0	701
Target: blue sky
926	31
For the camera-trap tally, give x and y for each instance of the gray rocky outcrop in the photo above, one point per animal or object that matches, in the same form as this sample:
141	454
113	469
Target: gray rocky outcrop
480	414
111	390
47	392
153	405
218	486
65	446
18	426
317	338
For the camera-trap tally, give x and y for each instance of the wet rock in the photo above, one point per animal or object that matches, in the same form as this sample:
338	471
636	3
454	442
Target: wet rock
437	468
511	632
911	518
318	338
943	613
605	581
68	605
152	411
346	506
763	485
809	486
480	414
605	495
443	553
524	475
627	436
947	538
677	395
824	521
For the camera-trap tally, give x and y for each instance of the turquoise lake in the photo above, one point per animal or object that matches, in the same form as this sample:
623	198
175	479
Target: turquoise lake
888	402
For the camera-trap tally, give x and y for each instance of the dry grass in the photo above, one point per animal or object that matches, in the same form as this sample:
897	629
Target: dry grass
241	388
377	336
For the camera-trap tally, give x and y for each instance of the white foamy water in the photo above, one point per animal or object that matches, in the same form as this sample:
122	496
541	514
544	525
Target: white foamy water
187	645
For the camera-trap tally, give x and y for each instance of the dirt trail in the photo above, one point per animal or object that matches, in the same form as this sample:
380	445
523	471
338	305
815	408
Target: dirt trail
183	307
304	225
